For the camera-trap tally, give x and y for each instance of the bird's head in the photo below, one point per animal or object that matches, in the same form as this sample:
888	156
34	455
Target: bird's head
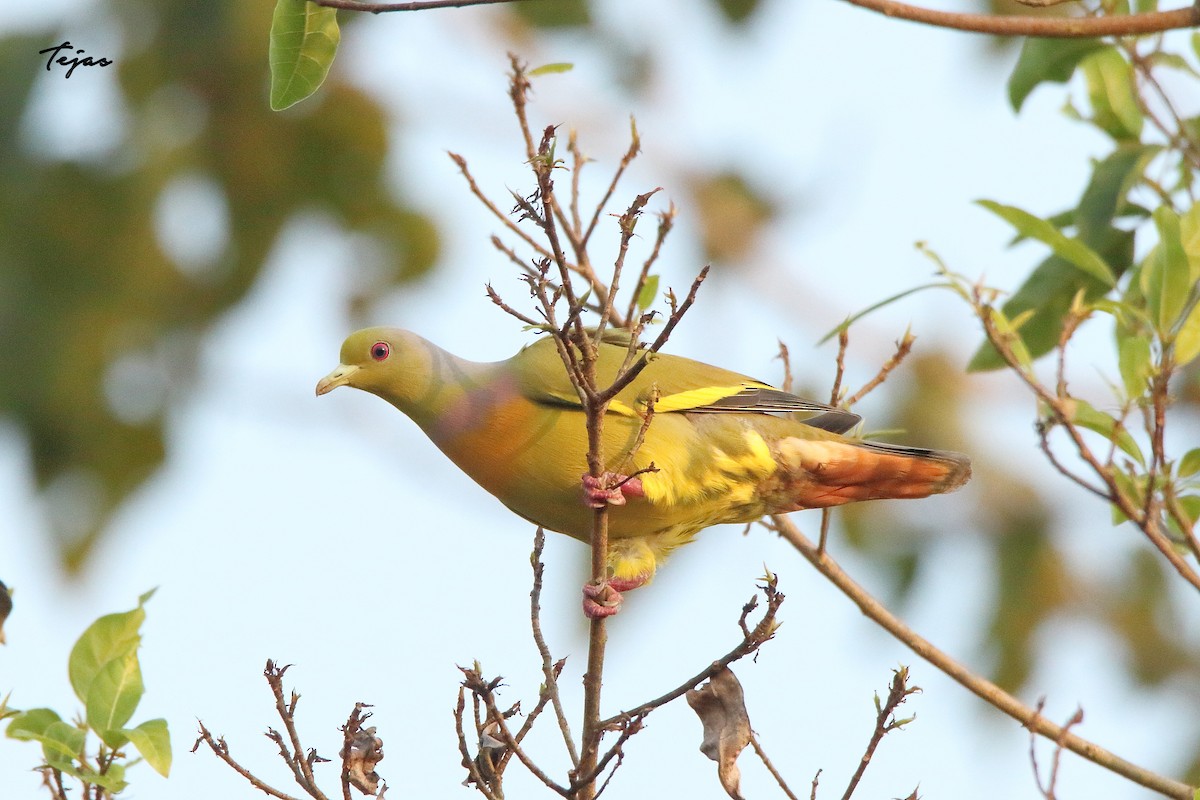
391	363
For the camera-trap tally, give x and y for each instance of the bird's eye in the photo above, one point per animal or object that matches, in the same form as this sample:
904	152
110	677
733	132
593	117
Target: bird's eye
380	351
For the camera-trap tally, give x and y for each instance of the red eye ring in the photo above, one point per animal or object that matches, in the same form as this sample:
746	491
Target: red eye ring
380	351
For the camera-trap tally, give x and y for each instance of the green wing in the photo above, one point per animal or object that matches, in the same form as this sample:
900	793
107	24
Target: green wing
683	385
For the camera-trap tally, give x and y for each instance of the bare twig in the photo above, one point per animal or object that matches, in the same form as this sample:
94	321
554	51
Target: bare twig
903	348
1048	27
984	689
1048	788
1061	414
752	640
417	5
301	767
762	755
475	775
221	750
885	723
550	669
485	691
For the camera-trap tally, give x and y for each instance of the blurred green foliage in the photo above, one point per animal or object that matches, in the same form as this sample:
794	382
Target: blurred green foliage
85	284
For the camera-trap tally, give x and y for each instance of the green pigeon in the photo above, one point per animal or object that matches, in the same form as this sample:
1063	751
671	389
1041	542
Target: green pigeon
720	447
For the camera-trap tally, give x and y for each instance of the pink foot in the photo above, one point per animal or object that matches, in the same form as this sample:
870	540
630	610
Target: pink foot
602	600
610	489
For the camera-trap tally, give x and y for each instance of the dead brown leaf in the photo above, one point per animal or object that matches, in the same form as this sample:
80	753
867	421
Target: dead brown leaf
722	709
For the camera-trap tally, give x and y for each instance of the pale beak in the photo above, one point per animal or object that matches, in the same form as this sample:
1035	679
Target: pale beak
339	377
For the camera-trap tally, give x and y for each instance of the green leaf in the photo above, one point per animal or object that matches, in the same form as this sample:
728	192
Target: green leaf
738	11
1134	359
551	69
1111	91
1046	60
62	744
1191	507
648	293
153	741
304	40
1087	416
1071	250
1189	236
1111	180
114	696
110	637
1190	463
31	725
1166	276
113	780
1187	340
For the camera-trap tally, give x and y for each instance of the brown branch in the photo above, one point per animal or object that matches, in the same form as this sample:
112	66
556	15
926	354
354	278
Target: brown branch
485	691
635	147
550	669
1049	27
762	756
1149	525
981	687
300	766
474	775
903	348
1052	779
752	640
418	5
677	312
495	209
221	750
666	221
884	724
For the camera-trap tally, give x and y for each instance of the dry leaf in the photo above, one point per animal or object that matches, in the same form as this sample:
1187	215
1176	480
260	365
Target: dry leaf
5	608
366	750
722	708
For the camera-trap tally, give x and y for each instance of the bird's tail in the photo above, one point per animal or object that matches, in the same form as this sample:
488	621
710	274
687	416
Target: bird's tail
820	473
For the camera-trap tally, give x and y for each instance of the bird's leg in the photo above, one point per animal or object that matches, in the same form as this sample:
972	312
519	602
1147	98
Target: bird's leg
604	599
610	489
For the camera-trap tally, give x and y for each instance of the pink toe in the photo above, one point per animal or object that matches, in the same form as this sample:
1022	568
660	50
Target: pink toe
600	600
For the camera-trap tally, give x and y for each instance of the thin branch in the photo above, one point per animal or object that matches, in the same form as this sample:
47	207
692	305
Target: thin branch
1149	525
677	312
1048	27
474	775
221	750
300	766
1052	779
885	723
666	221
635	147
984	689
550	670
762	755
419	5
903	348
494	209
752	640
483	690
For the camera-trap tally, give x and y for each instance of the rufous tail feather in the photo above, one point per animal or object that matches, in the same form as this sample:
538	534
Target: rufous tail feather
819	473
